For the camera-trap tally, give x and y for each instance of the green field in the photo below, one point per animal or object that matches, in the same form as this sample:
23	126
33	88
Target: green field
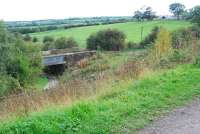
131	29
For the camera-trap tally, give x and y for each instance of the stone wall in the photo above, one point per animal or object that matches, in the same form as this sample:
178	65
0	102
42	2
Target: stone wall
72	59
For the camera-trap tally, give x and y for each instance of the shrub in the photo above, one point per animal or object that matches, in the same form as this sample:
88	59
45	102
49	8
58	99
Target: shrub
162	47
62	43
181	38
48	46
109	40
196	31
131	45
8	84
20	61
150	39
48	39
35	39
27	37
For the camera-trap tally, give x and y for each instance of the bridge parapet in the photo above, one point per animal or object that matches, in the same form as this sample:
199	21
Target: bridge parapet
67	59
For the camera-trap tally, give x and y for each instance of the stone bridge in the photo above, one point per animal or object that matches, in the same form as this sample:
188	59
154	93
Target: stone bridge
56	63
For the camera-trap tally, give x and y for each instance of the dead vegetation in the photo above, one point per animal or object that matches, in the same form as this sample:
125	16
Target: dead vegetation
69	90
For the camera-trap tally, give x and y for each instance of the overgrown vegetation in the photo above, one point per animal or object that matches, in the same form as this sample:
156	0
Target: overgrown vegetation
20	61
108	40
138	103
150	39
60	43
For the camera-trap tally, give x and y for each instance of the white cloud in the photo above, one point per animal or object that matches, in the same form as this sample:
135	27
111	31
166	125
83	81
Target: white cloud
55	9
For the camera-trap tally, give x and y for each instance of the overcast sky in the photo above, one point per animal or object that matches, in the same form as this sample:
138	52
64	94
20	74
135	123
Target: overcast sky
57	9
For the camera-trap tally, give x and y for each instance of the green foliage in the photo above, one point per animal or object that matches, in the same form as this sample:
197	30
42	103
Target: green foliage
181	38
27	37
48	46
149	14
177	9
131	45
131	29
197	61
195	15
162	48
35	39
195	31
109	39
62	43
150	39
137	104
8	85
145	13
20	61
138	15
48	39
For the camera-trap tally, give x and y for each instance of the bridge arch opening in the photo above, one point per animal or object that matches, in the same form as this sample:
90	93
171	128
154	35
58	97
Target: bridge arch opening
55	69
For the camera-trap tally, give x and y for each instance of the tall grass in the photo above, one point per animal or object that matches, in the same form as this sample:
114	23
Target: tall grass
68	91
136	103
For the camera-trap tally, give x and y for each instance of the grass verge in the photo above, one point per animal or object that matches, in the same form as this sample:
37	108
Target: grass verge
139	102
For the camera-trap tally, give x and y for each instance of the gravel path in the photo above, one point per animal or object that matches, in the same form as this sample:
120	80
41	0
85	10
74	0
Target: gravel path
184	120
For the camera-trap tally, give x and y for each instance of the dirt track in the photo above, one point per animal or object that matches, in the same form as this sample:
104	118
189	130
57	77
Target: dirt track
184	120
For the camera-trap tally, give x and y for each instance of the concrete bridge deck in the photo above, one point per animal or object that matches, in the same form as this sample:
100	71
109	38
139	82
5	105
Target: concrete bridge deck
66	58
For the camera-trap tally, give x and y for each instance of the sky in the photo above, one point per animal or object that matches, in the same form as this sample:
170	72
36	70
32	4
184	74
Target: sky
21	10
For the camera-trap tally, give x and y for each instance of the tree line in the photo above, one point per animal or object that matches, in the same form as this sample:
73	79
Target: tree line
177	9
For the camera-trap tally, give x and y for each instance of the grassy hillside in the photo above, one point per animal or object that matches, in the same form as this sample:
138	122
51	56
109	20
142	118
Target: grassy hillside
131	29
129	105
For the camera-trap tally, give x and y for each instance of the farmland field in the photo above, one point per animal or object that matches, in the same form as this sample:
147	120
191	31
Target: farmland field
131	29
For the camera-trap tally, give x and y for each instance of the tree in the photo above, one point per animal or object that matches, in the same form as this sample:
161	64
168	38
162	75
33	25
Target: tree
109	40
138	15
145	13
20	61
195	15
177	9
149	14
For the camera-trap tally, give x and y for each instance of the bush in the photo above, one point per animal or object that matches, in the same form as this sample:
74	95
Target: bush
20	61
62	43
150	39
27	37
8	84
109	40
196	31
35	39
162	48
48	46
131	45
48	39
181	38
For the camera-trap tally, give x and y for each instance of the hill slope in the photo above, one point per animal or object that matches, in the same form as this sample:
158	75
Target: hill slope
131	29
